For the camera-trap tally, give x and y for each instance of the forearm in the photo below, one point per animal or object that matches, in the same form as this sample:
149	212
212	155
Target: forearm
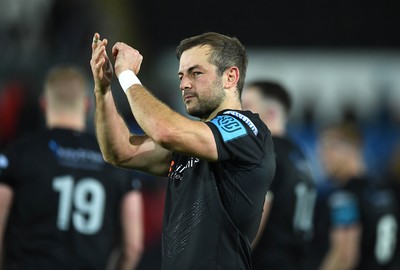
344	249
332	261
157	120
111	131
133	231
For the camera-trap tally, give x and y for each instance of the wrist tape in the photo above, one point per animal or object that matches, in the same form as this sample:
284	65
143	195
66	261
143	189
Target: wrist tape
127	78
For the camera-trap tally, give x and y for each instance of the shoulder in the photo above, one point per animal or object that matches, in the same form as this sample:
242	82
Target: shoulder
287	145
288	152
237	123
73	139
382	196
241	135
26	142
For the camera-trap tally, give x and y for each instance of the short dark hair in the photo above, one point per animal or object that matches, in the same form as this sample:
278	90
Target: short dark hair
347	130
275	90
226	52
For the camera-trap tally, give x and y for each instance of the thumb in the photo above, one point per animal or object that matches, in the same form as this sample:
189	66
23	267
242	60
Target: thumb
115	50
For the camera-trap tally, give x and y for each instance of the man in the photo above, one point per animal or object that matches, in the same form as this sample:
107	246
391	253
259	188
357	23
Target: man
218	169
356	221
61	205
284	235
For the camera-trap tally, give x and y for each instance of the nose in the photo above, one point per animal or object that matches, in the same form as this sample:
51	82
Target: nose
185	83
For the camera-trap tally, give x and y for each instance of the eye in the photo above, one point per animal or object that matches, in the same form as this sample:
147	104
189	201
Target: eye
196	73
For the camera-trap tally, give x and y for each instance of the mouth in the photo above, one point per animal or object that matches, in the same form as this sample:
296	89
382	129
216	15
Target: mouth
187	97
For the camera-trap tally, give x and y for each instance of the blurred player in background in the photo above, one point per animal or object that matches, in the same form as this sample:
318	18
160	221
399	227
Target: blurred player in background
61	205
356	223
286	228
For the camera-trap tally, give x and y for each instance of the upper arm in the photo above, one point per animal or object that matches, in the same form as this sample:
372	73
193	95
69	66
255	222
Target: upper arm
191	137
145	155
346	242
214	140
154	155
132	220
345	230
264	218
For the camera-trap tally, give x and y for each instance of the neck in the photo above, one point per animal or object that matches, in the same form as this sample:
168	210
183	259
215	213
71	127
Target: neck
72	122
233	104
351	170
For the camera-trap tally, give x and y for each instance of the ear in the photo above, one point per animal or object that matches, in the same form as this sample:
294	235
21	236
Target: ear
231	77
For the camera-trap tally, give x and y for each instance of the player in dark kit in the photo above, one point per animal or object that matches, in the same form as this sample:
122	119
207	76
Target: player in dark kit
356	223
285	233
219	169
214	214
66	208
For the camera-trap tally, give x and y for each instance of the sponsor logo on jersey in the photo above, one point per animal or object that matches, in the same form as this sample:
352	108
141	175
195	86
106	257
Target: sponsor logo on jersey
229	127
76	157
178	172
245	119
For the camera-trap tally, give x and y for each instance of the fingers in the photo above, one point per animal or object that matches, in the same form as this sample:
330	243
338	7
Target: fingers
96	38
108	69
98	57
99	54
97	43
100	64
116	48
126	57
121	46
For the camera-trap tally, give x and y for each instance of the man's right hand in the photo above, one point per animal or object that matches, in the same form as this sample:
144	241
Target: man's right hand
126	58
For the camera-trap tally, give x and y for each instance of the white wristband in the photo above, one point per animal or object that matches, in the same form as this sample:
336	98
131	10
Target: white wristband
127	78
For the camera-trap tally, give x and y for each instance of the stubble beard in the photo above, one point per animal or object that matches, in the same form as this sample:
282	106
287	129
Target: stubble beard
207	104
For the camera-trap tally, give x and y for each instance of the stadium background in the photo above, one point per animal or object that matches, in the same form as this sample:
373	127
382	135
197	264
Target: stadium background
337	58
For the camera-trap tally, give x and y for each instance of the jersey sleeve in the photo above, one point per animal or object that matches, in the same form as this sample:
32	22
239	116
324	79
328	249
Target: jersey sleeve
237	138
344	209
128	181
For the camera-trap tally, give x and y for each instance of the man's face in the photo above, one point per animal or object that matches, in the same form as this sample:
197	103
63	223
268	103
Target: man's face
335	152
202	89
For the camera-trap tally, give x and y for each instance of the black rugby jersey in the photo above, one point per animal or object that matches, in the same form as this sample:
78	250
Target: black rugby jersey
284	243
213	209
66	208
